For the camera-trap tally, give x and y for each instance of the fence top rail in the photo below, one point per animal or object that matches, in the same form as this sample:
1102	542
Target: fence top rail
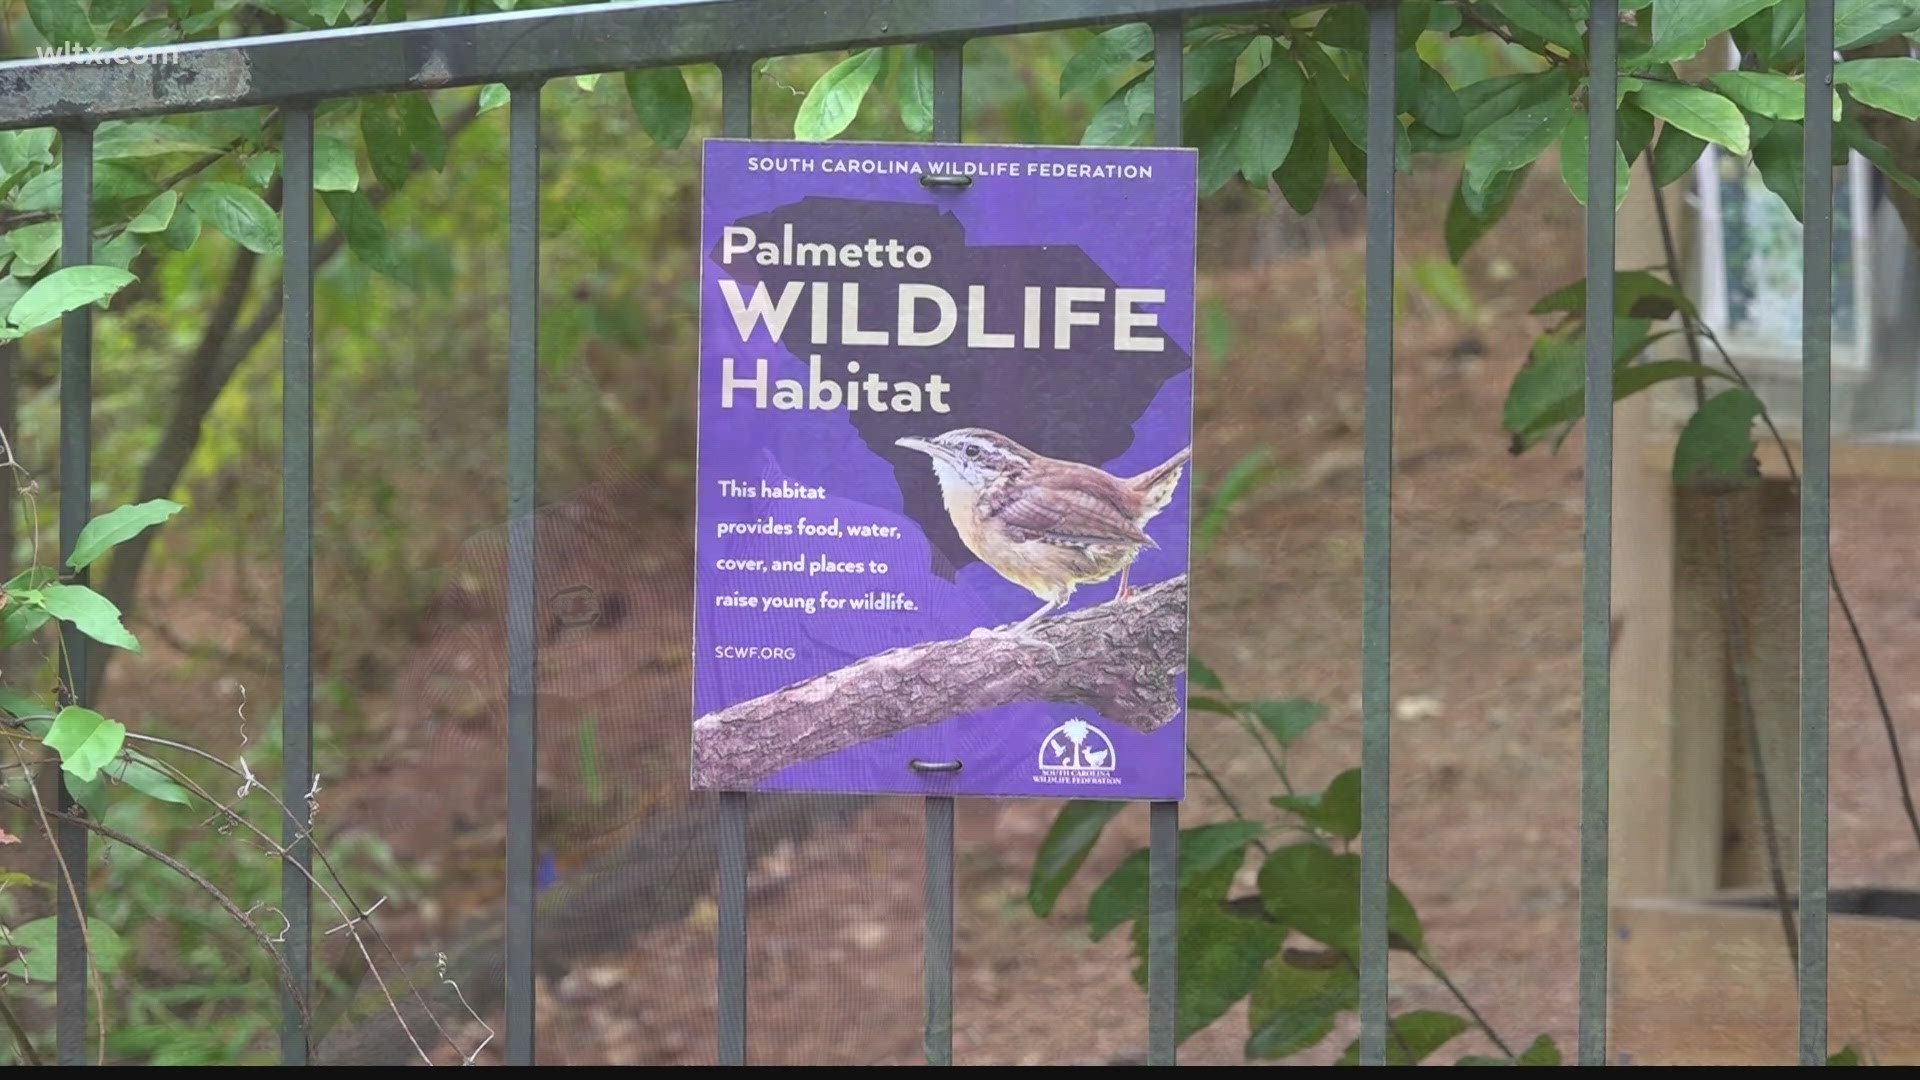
523	46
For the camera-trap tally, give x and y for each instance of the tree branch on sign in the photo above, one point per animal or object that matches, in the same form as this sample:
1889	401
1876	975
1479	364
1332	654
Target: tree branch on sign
1118	658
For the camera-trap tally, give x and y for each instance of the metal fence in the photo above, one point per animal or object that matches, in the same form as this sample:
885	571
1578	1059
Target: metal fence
298	71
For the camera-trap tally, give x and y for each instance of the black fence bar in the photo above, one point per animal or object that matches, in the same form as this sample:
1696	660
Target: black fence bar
1815	518
736	121
1596	703
523	473
296	578
1163	884
76	480
1376	620
519	46
948	110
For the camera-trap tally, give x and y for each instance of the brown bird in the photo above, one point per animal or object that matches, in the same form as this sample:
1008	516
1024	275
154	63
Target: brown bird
1045	524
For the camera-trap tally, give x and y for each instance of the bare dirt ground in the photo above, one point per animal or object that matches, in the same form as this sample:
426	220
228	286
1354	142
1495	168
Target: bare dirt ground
1486	747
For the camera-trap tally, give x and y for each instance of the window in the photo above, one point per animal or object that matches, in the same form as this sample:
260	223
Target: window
1746	270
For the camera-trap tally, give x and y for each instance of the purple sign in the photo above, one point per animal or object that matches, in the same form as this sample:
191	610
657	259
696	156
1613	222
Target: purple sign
946	415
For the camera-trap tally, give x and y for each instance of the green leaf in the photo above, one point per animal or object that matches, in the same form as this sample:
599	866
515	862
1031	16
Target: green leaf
113	182
1435	104
834	100
1061	854
662	104
1716	447
1488	101
119	139
119	251
39	953
1208	851
17	705
1852	135
64	290
1635	132
1202	703
1304	174
366	235
1413	1037
1293	1008
333	166
386	138
1513	143
1849	1055
107	12
61	22
1346	105
1701	112
1287	720
1787	32
1308	887
1674	154
90	793
1547	20
1106	56
1764	93
1273	116
1891	83
183	230
1343	26
244	217
19	622
422	126
20	149
1573	162
1335	810
1865	22
262	168
1119	122
1682	28
156	215
1542	1052
144	775
1211	64
90	613
1781	159
914	89
1254	468
1465	225
1637	294
116	527
1199	674
1213	124
1219	962
33	245
1552	389
493	95
85	740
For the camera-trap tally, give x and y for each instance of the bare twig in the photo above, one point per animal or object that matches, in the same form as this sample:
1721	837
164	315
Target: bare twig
1440	973
42	815
199	881
343	903
1221	790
